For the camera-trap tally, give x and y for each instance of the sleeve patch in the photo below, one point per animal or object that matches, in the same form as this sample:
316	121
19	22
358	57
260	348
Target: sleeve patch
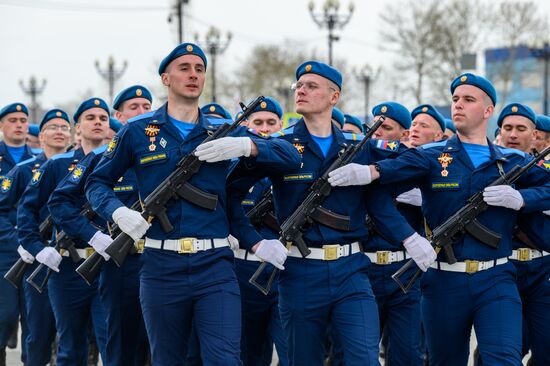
111	148
389	145
36	177
6	184
77	174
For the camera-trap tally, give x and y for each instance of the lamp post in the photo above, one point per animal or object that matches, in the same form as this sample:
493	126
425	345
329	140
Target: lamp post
33	90
178	13
111	74
216	45
542	52
331	19
365	76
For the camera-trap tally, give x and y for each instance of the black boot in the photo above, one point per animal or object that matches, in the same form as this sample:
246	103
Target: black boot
12	340
93	354
3	357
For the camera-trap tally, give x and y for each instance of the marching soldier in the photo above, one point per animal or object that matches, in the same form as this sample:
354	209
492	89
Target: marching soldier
542	134
352	124
396	127
215	110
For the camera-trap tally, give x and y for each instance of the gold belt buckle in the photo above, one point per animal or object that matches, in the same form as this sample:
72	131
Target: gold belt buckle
140	246
61	251
186	246
471	266
330	252
88	252
524	254
383	257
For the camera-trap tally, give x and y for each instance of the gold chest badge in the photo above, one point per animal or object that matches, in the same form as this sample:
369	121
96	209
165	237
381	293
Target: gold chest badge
445	159
152	131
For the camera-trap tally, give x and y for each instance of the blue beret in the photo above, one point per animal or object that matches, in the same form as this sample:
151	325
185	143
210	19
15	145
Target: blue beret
543	123
270	105
114	124
181	50
497	131
395	111
348	118
54	113
34	130
215	108
431	111
477	81
517	109
12	108
450	125
136	91
237	115
319	68
338	116
89	104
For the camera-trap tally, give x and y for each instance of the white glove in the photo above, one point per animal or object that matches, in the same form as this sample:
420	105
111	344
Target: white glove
49	257
131	222
100	242
272	251
225	148
412	197
25	256
233	242
420	250
547	212
504	196
350	175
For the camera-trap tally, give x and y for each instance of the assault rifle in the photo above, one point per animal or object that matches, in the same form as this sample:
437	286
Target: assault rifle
465	221
310	210
175	186
262	213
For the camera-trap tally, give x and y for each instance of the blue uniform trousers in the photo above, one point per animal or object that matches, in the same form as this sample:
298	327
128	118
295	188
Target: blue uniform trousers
176	289
533	279
12	305
314	294
119	294
73	303
261	321
40	323
399	314
489	300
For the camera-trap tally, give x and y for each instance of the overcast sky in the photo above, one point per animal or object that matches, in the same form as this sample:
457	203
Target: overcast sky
60	40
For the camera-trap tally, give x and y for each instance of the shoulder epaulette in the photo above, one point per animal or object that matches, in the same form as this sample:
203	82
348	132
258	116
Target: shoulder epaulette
141	116
30	160
434	144
351	136
69	154
100	150
511	151
286	131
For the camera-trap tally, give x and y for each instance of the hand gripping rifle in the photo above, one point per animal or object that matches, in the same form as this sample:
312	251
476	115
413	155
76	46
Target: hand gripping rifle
310	210
465	221
262	213
175	186
62	242
15	274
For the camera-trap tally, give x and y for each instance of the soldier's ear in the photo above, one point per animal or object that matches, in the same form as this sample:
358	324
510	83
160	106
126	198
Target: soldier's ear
165	78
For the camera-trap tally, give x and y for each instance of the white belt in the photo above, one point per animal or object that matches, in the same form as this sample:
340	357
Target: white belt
83	253
469	266
186	245
527	254
246	255
328	252
382	257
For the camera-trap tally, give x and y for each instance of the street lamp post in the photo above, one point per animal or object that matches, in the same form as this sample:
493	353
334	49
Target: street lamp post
331	19
33	90
543	53
215	45
111	74
178	13
364	75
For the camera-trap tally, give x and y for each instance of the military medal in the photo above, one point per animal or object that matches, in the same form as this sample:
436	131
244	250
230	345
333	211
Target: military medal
73	165
445	159
152	131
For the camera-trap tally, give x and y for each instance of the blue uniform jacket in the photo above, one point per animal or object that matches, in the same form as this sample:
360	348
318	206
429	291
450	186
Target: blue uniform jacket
7	162
444	195
66	201
130	148
289	190
36	196
13	185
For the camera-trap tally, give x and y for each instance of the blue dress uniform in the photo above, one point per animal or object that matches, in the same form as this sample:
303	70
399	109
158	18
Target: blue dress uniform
323	291
176	288
11	300
73	301
484	294
38	311
261	321
118	287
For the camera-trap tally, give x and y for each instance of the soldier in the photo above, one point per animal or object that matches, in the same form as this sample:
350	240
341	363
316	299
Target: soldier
73	302
450	129
479	289
187	274
215	110
330	286
542	134
14	124
32	138
427	125
517	124
337	118
396	127
352	124
54	136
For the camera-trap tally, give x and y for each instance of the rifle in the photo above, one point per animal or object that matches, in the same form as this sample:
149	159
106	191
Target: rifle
15	274
177	185
62	242
262	213
310	210
465	221
89	269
